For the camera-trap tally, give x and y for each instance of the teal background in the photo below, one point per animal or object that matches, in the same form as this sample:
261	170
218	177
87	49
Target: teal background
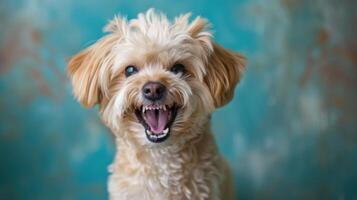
289	133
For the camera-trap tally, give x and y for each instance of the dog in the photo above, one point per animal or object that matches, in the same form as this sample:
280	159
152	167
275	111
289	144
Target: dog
157	83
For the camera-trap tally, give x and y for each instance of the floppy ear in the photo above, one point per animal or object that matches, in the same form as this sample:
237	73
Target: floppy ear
223	67
223	72
89	70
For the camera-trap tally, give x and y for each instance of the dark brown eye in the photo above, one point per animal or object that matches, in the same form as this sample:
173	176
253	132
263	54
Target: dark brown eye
178	68
130	70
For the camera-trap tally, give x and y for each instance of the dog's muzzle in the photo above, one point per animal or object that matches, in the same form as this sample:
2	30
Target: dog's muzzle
156	117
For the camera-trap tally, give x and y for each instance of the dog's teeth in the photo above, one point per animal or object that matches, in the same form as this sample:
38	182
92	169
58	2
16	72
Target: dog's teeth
148	132
153	136
166	131
145	108
161	136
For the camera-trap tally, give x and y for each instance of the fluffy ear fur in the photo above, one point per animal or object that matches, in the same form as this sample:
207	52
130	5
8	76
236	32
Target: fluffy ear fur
223	68
89	71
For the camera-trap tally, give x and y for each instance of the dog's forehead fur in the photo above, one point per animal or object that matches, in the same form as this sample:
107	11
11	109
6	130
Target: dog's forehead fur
152	38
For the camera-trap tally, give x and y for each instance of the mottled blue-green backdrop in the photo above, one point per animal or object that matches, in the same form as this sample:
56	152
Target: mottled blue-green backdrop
289	133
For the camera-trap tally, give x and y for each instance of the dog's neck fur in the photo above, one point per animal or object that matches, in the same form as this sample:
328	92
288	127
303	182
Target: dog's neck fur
177	163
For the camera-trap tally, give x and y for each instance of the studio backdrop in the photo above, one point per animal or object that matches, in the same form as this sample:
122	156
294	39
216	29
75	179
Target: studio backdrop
289	133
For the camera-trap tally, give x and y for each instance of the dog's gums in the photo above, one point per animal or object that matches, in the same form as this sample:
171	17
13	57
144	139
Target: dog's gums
157	120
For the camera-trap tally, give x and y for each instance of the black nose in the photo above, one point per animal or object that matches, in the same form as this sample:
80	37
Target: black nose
154	91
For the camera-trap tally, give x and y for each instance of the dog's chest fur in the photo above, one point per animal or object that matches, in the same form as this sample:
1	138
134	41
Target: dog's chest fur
191	172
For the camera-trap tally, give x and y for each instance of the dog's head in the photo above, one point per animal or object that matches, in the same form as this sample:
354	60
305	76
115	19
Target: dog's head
155	80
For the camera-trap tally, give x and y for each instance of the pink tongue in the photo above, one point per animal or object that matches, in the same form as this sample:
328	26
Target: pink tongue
157	120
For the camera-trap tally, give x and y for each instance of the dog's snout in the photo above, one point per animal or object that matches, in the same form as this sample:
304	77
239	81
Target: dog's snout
154	91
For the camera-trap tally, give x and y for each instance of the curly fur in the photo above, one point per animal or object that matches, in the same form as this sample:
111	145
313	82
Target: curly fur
187	165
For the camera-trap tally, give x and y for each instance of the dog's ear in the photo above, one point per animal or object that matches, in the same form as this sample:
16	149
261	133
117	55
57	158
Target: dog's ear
223	72
83	69
89	70
223	67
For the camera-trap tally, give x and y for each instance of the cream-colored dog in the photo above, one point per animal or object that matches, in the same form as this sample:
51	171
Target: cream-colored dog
156	83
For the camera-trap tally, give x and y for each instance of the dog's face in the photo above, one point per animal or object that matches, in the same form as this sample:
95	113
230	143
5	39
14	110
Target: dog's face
154	80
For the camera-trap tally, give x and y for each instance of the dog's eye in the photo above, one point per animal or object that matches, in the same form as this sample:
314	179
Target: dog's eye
178	68
130	70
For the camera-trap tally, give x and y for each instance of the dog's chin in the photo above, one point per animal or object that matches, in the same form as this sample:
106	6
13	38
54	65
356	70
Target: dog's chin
157	120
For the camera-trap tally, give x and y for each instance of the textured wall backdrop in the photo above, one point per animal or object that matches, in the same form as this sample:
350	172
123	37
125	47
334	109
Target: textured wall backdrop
289	133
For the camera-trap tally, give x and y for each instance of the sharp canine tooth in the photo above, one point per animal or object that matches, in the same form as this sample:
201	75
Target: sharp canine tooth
148	132
166	131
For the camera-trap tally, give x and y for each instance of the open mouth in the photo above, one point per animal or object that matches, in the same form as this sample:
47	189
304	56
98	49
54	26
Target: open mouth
157	120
